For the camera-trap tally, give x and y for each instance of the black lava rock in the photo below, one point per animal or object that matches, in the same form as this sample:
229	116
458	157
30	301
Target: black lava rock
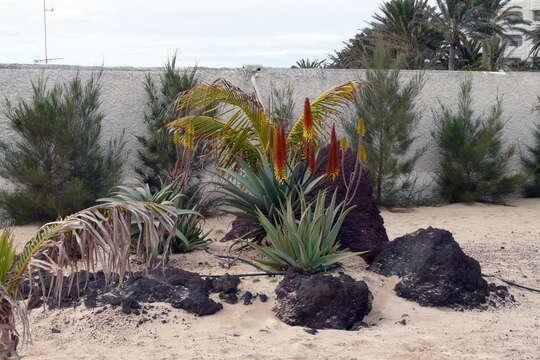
322	301
182	289
434	270
248	298
229	298
226	284
363	228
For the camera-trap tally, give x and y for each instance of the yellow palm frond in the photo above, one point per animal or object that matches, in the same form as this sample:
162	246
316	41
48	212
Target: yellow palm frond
233	140
325	106
223	100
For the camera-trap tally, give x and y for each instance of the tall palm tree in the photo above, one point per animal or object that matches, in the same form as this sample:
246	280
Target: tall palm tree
100	235
478	19
404	25
239	125
357	51
500	17
456	20
534	37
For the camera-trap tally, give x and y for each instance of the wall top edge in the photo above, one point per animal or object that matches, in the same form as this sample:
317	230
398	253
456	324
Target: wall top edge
16	66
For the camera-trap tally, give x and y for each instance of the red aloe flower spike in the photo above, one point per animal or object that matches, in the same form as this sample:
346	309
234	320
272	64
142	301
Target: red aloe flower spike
280	158
305	151
332	169
311	158
308	133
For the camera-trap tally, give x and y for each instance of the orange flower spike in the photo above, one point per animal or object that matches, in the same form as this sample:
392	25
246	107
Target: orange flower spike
308	133
311	159
280	158
332	169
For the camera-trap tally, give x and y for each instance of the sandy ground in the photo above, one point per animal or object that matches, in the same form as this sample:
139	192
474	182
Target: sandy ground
505	239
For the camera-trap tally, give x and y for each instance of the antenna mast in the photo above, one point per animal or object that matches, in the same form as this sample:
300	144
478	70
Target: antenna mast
45	10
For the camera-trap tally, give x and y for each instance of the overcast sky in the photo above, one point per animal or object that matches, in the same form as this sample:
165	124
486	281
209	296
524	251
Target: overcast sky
206	32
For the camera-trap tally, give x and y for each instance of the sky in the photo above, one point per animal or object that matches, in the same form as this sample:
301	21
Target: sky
214	33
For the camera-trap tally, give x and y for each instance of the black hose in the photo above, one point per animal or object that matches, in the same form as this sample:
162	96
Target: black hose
511	283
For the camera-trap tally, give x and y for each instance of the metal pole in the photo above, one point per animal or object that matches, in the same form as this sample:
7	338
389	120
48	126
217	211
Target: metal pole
45	27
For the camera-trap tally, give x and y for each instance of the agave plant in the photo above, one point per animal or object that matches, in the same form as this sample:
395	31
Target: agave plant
188	234
307	241
97	236
249	192
240	126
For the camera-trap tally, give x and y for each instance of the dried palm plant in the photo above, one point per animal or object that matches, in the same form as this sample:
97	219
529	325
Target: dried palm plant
97	236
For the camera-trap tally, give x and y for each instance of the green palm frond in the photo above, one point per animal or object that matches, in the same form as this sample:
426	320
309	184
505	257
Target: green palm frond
7	254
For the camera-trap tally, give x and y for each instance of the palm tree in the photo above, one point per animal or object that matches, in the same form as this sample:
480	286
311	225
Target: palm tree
239	125
309	64
100	235
501	17
404	25
356	53
494	50
534	37
456	20
478	19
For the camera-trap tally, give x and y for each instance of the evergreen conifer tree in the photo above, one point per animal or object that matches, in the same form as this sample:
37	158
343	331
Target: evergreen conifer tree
473	159
57	161
159	153
531	163
388	108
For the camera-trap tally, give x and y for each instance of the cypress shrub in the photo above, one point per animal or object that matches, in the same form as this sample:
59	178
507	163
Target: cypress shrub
473	159
388	108
159	153
531	163
57	160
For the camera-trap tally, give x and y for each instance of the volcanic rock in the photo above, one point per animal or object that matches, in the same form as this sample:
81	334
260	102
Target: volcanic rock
322	301
363	228
434	270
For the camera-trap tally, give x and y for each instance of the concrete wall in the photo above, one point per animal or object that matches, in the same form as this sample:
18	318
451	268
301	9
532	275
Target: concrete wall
124	98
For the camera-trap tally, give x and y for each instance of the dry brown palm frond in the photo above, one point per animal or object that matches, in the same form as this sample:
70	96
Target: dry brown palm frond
97	236
100	235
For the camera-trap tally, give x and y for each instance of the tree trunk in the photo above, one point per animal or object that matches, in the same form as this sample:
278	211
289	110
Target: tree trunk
452	58
8	339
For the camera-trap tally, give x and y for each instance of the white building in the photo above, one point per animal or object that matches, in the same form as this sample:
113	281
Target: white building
520	47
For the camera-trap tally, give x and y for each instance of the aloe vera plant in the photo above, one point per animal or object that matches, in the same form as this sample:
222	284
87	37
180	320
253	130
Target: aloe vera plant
308	241
248	193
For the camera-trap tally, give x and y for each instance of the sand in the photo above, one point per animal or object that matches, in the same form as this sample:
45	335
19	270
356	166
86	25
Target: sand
505	239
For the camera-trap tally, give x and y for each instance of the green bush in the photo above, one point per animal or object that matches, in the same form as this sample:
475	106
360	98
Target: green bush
248	193
57	160
473	159
159	153
531	163
306	241
387	105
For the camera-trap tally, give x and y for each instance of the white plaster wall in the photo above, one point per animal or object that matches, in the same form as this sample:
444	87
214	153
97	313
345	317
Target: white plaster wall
124	99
